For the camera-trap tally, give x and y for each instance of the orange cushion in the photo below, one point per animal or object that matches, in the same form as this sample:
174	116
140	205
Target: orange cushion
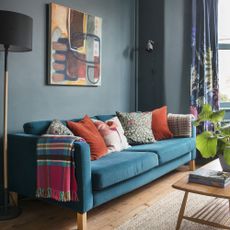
87	130
160	126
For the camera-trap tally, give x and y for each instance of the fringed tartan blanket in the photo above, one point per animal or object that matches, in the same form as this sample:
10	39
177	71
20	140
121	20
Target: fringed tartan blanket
56	168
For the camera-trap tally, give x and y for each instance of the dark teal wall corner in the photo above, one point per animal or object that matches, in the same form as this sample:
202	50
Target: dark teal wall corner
164	75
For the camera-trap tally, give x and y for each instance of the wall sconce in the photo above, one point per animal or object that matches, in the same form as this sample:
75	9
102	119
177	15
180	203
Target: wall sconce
149	46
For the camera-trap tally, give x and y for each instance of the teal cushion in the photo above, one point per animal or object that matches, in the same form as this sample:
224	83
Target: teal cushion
104	117
40	127
36	127
120	166
167	150
100	197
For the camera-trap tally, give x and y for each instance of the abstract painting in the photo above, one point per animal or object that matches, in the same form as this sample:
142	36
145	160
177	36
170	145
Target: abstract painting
74	47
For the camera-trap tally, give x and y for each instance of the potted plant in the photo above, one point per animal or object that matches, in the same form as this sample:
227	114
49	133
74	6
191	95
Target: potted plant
215	141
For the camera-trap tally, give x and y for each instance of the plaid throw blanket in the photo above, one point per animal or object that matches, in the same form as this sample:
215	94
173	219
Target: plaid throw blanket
56	168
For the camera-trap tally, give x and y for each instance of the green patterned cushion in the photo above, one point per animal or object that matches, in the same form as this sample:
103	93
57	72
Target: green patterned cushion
57	128
137	127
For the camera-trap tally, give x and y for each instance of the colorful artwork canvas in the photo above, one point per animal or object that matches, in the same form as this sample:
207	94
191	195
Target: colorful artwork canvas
74	47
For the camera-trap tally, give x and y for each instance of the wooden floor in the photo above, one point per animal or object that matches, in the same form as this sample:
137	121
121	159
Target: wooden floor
38	215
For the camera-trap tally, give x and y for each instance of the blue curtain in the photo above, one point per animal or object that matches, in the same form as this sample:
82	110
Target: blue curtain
204	67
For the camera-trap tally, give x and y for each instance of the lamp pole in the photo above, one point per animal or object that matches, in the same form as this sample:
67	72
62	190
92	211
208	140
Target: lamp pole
5	143
15	36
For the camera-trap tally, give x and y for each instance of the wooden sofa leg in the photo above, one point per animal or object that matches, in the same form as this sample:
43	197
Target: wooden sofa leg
13	198
192	165
82	221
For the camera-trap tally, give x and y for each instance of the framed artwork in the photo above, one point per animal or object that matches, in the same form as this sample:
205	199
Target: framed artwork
74	47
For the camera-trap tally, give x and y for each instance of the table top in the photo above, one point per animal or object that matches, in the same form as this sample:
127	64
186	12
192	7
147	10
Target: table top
183	184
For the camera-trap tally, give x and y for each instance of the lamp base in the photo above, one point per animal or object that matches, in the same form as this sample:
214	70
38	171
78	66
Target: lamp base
9	212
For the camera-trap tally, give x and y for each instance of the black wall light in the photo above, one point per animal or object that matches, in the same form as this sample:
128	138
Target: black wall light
149	46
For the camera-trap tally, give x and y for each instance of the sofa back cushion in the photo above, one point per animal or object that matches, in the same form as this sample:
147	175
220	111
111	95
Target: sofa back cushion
105	117
40	127
36	127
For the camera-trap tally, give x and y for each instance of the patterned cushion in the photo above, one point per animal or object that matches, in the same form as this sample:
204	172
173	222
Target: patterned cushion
112	133
180	124
57	128
137	127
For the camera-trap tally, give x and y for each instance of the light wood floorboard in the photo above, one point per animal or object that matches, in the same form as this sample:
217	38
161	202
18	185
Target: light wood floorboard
40	215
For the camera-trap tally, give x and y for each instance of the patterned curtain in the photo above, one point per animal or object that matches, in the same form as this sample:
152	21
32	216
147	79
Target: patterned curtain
204	68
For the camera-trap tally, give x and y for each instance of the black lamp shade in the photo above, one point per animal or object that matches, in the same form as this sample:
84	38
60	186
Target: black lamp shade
15	31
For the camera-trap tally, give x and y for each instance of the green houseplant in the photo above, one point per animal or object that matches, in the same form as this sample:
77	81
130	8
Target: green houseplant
216	141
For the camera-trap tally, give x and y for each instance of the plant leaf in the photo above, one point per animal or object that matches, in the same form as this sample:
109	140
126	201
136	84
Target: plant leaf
206	143
205	113
226	130
196	123
217	116
220	146
227	154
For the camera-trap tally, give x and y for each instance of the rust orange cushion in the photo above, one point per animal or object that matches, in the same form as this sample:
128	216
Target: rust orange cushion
87	130
160	126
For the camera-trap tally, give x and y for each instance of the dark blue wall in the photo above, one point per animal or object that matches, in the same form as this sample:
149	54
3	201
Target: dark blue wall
150	77
164	75
31	99
177	55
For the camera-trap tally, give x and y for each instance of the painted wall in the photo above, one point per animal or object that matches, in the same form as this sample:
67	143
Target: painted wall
164	74
31	99
29	96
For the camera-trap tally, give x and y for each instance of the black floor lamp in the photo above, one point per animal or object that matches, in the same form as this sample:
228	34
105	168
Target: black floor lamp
15	36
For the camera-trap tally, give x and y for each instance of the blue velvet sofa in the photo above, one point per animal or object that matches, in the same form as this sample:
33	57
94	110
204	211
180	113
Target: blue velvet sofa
102	180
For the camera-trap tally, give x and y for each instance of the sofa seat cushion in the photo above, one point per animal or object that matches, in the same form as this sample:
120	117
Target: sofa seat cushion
167	150
119	166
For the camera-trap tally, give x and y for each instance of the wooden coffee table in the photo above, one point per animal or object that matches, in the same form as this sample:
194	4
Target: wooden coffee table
211	212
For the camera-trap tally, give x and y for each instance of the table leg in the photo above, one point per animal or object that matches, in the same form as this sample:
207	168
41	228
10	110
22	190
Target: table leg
181	213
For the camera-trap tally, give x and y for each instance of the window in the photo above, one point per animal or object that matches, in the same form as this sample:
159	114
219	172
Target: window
224	52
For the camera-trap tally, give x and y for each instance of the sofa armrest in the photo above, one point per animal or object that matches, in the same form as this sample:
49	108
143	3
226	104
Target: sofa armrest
194	136
22	169
22	163
83	175
193	130
181	125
